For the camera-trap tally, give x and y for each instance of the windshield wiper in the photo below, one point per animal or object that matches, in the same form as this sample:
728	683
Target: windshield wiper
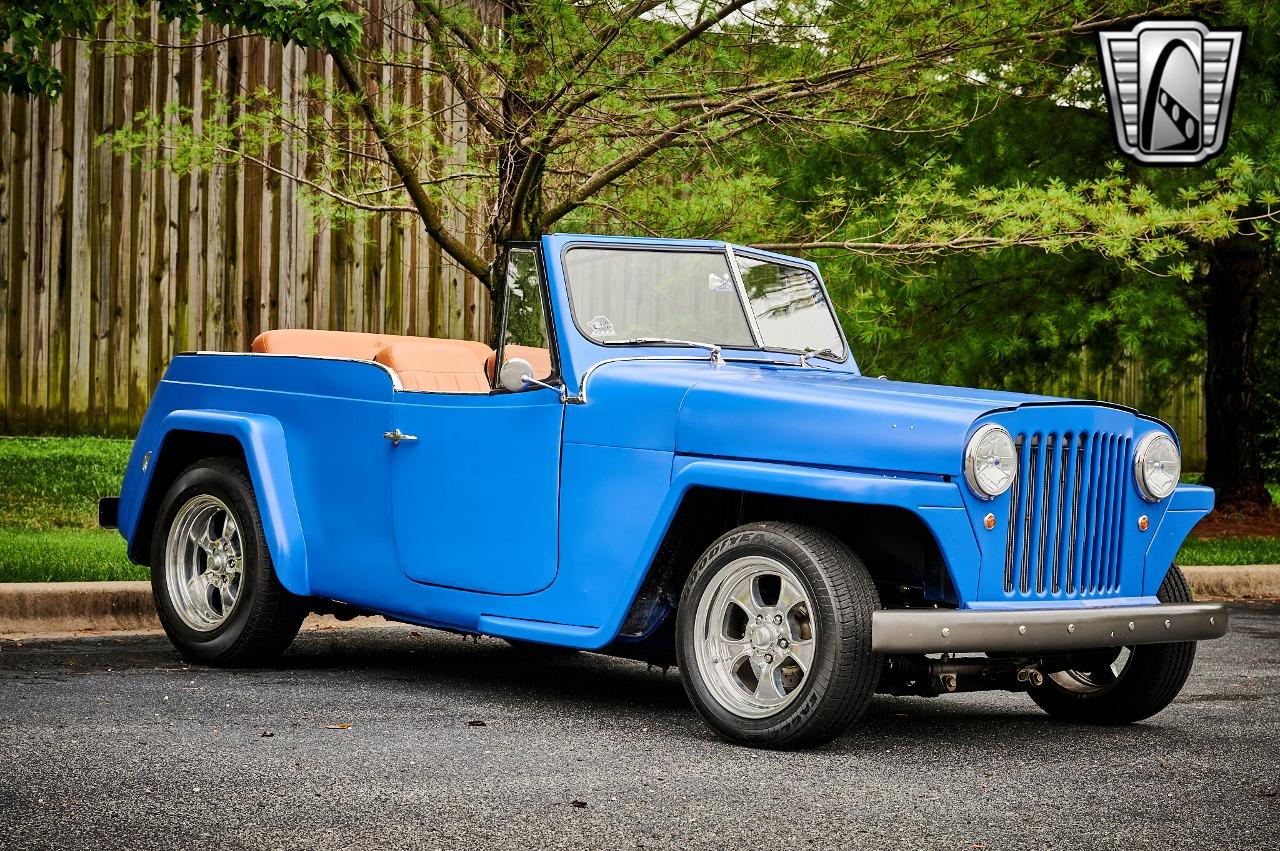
826	354
710	347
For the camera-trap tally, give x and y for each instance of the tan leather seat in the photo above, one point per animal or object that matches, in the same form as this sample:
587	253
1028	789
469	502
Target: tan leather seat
441	366
539	359
423	363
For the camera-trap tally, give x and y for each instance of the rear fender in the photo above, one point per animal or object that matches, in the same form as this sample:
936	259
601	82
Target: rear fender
262	441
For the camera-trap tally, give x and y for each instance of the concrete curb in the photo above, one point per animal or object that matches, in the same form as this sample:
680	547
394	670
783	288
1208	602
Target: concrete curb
64	608
1245	581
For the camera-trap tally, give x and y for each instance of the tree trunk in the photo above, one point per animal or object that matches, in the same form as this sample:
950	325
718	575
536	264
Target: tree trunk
1238	268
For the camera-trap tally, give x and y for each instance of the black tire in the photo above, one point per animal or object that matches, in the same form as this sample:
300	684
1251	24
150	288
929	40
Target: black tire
844	672
1150	680
265	617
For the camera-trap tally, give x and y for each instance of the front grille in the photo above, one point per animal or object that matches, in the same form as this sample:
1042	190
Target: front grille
1065	514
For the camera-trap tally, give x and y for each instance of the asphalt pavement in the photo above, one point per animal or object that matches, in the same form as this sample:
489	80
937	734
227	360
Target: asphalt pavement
407	738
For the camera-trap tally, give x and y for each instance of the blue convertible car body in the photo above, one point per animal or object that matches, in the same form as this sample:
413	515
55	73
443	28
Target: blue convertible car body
567	509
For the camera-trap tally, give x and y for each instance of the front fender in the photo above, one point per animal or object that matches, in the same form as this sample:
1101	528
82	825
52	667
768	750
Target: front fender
262	439
936	501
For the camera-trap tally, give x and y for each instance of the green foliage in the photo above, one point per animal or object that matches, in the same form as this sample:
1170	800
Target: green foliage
29	32
307	23
26	32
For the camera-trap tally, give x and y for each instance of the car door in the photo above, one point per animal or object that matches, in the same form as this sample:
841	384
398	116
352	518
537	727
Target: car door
475	483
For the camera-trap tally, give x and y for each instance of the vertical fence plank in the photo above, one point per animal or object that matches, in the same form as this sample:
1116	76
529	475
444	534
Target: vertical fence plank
7	319
79	270
123	210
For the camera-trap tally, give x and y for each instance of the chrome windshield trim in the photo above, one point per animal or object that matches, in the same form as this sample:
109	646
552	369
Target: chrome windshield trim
736	273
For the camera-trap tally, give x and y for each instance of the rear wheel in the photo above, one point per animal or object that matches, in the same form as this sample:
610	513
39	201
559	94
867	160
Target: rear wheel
215	587
1135	684
773	636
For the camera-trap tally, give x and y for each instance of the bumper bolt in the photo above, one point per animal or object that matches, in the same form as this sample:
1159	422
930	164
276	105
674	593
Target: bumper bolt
946	632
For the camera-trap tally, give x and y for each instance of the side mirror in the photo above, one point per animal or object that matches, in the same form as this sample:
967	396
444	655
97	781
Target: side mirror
515	375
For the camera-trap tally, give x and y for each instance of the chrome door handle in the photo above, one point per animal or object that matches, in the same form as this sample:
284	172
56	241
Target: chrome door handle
396	436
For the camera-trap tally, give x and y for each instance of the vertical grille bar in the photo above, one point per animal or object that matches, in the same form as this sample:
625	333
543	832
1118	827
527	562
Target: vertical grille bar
1030	513
1120	469
1085	527
1105	472
1011	544
1066	490
1048	509
1073	547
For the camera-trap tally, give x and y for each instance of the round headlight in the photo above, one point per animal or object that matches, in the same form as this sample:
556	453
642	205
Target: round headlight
990	461
1156	465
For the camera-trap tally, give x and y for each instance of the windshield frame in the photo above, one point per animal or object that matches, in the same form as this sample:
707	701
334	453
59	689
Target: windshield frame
730	255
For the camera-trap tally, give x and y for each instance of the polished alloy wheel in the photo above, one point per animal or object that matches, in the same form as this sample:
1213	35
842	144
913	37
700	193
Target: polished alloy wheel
204	563
1097	680
756	636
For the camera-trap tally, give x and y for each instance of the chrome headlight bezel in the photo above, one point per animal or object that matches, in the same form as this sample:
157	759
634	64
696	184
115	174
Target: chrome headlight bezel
971	460
1140	455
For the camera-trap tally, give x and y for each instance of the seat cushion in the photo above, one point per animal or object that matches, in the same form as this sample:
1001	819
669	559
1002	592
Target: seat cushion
443	366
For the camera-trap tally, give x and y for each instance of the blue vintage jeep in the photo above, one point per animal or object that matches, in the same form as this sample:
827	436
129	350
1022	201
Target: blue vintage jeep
673	456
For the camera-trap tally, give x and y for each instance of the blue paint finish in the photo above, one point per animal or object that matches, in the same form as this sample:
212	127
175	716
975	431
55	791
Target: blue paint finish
1188	504
519	516
477	459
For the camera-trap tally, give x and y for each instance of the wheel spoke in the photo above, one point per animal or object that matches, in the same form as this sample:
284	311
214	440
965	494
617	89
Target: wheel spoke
767	690
802	652
229	529
728	651
745	596
227	598
789	595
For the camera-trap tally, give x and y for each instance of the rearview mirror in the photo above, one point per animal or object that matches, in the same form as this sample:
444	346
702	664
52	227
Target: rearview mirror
515	375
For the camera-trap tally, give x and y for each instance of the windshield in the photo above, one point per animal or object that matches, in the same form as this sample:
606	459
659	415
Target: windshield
654	295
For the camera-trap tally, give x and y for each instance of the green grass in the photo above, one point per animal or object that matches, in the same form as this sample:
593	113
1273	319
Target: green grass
1230	551
64	555
49	490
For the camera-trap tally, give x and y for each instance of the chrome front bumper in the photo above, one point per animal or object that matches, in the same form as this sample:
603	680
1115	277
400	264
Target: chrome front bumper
1043	630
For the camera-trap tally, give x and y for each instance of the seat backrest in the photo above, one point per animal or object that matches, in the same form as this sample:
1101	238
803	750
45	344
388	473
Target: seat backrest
345	344
539	359
436	365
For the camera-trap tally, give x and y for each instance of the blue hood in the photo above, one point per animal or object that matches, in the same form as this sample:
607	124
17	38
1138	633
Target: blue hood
833	419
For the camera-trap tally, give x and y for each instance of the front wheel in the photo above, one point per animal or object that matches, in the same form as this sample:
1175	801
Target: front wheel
215	588
1139	682
773	636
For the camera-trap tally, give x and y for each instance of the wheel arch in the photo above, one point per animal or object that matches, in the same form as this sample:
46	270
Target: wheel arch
894	524
257	441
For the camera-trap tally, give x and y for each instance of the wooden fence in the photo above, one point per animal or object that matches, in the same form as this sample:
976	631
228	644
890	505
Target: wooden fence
109	267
